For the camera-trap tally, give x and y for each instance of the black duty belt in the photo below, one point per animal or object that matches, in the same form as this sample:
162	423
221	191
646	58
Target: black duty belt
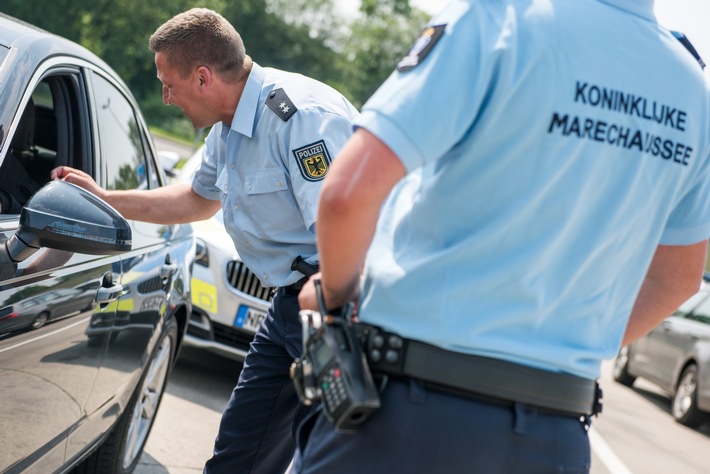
295	288
478	376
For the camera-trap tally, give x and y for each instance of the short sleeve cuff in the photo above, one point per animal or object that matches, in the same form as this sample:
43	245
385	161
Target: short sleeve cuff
686	236
392	136
206	193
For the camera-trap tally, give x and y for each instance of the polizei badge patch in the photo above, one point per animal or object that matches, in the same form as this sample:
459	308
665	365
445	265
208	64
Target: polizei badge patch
422	47
313	160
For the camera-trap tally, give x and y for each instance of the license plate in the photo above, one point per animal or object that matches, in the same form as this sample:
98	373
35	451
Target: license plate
249	318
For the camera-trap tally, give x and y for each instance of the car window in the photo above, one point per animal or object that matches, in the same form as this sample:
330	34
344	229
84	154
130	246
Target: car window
701	313
122	140
45	135
685	309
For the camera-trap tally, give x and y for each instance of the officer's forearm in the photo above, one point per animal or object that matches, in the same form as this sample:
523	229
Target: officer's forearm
674	275
172	204
342	248
359	181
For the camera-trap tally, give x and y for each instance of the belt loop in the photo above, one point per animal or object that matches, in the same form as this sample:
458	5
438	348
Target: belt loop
519	418
417	392
598	397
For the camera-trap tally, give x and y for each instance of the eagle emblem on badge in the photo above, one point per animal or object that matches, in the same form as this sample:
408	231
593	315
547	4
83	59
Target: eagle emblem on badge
313	161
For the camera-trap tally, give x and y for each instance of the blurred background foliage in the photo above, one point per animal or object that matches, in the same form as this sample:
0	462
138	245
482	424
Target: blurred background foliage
354	54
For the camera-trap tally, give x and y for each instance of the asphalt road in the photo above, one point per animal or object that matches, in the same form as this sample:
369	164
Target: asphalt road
166	144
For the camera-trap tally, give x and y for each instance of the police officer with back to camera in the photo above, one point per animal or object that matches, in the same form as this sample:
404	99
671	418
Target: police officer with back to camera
544	169
271	145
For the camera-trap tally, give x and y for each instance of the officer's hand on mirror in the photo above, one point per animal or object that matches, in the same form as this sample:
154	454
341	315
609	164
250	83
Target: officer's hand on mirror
78	177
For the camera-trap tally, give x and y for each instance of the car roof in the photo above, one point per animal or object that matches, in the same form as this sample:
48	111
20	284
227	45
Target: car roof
23	50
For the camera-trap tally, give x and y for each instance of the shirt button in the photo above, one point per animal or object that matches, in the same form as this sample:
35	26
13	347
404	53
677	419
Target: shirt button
249	187
278	183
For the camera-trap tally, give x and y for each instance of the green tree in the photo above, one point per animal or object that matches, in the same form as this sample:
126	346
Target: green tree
377	40
354	56
118	32
292	35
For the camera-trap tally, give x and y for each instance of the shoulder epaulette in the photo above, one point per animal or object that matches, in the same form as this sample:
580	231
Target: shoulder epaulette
282	106
689	46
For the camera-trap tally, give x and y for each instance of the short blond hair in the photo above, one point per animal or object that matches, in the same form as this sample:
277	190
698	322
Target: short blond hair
201	36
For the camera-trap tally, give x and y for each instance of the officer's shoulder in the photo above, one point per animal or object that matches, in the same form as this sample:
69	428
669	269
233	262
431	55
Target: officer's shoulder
689	46
281	104
296	95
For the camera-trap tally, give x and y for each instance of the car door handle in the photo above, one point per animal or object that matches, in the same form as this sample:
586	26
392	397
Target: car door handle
106	295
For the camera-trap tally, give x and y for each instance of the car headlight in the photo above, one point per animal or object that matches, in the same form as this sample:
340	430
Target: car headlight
202	256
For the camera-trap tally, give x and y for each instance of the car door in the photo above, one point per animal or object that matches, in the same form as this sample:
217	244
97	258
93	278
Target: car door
126	162
47	373
667	345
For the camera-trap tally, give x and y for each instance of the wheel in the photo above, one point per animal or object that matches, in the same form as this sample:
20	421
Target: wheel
621	368
684	406
40	320
121	451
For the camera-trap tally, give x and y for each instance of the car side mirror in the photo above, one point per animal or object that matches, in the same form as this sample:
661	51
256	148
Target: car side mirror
64	216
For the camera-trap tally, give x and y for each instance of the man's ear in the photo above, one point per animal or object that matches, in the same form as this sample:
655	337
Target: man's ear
204	75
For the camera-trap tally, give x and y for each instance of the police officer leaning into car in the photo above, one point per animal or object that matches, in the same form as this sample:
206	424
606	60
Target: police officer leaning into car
273	138
544	169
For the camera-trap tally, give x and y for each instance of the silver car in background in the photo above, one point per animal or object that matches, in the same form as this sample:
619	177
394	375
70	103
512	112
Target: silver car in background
229	302
675	356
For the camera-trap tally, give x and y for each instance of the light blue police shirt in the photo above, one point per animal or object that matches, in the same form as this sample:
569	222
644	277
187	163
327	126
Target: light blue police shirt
267	171
552	146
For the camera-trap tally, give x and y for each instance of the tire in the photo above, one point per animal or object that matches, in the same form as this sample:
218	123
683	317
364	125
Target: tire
122	449
40	320
684	406
620	370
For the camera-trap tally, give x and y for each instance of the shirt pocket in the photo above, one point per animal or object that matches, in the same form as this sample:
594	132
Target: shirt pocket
271	203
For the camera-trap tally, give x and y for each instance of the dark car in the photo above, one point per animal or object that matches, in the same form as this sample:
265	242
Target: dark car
676	357
79	391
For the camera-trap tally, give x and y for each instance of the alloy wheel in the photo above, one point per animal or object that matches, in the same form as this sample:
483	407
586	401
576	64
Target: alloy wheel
147	404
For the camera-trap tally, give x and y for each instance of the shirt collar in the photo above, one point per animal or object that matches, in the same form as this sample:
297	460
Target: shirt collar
643	8
245	115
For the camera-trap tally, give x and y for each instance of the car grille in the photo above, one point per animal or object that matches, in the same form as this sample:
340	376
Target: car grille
241	278
216	332
231	337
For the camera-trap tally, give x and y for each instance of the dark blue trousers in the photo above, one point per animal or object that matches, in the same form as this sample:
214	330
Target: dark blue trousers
419	430
256	434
